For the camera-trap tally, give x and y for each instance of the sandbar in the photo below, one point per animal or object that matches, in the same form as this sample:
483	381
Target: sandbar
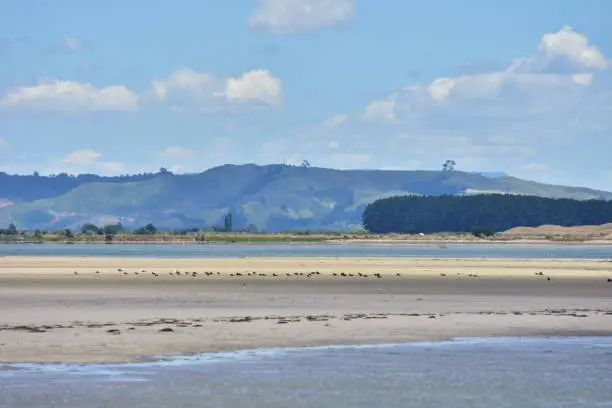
109	310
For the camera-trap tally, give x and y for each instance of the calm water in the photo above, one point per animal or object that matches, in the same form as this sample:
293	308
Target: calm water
318	250
470	373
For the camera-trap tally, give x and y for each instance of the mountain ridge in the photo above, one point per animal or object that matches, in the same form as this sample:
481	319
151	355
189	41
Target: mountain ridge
271	197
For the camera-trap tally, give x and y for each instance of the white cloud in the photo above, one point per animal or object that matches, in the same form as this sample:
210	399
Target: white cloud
176	152
186	88
381	111
283	17
333	145
256	85
553	82
572	46
4	145
87	161
68	96
583	79
81	157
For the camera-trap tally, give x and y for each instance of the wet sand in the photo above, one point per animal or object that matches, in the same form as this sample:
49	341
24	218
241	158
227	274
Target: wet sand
119	310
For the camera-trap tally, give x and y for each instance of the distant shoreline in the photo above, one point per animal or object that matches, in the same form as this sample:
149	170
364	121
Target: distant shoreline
424	242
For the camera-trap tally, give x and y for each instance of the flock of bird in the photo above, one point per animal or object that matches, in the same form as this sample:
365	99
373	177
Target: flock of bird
294	274
123	272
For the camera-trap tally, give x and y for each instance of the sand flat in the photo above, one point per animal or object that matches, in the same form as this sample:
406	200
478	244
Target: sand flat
50	314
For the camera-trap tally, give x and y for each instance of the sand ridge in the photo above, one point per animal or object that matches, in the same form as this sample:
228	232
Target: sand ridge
49	313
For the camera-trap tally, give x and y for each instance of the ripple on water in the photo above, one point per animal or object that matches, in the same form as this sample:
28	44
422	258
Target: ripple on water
468	372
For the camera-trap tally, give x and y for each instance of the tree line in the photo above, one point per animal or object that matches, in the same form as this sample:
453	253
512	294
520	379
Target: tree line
117	229
482	214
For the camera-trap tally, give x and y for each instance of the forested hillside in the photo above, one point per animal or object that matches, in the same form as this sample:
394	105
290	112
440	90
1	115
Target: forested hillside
271	198
483	212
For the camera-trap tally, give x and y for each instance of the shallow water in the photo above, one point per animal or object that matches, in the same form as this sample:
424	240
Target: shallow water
474	373
309	250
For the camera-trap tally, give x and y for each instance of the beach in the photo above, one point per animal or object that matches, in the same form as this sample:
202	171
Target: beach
88	309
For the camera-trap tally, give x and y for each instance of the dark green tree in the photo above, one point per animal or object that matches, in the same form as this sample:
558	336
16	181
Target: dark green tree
90	229
148	229
482	214
12	229
113	229
227	222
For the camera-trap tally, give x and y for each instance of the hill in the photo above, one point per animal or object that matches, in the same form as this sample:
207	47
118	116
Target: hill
272	197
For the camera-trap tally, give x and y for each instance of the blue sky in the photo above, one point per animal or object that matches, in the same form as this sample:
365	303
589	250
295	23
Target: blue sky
116	87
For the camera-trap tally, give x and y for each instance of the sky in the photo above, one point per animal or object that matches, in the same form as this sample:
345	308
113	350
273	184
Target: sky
116	87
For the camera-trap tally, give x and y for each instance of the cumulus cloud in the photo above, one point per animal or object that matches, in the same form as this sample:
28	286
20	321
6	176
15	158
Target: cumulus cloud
82	157
56	95
183	89
283	17
552	82
186	88
86	160
571	46
511	119
381	111
256	85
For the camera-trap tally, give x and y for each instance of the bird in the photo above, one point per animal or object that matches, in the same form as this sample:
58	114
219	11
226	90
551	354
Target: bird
75	272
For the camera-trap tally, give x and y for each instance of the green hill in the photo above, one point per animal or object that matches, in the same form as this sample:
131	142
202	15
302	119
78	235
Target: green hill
273	197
